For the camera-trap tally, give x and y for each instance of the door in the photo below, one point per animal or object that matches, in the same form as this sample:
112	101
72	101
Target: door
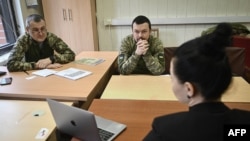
57	20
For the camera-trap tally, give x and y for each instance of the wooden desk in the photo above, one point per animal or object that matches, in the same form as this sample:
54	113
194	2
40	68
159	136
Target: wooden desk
147	87
19	123
139	114
60	88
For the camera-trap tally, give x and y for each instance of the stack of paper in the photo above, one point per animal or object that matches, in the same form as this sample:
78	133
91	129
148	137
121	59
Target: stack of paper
90	61
73	73
44	72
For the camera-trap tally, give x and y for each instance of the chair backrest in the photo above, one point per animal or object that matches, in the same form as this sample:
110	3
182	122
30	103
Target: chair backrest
168	51
155	32
236	58
243	42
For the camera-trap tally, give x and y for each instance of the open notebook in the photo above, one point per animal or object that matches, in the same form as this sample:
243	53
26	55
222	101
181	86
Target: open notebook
83	124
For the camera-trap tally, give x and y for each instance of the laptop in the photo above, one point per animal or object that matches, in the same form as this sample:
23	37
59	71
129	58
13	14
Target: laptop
83	124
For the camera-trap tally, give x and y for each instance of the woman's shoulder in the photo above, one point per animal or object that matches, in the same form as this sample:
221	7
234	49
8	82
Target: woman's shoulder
174	116
241	113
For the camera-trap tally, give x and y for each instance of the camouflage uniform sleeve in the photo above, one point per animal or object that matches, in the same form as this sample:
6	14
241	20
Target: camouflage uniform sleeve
63	53
155	62
127	59
16	61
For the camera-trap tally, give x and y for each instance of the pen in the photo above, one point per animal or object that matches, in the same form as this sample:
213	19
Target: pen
26	72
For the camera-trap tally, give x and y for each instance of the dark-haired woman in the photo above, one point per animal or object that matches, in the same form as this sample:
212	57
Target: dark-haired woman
200	74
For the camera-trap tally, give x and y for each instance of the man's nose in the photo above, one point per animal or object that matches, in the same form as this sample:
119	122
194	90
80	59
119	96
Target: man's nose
140	34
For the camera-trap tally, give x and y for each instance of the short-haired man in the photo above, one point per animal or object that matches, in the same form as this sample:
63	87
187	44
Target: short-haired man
141	52
38	49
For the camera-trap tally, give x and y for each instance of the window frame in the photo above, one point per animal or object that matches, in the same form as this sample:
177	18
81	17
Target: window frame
9	24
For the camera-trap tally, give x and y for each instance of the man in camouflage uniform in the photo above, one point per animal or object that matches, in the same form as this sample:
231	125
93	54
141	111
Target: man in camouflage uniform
38	49
140	52
238	29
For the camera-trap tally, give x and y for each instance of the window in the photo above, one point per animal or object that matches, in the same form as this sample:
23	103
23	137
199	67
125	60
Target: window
8	26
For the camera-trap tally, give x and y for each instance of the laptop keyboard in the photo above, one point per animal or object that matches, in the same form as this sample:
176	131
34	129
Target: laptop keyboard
105	135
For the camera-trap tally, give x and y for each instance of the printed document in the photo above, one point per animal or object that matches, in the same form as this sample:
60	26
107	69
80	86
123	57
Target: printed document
44	72
90	61
73	73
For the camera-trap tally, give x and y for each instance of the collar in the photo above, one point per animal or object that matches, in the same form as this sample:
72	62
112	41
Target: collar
211	107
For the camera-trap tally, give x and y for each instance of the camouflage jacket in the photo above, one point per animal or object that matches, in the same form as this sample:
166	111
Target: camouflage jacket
238	29
26	52
153	62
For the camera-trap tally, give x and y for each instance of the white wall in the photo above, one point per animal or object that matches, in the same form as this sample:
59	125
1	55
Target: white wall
182	11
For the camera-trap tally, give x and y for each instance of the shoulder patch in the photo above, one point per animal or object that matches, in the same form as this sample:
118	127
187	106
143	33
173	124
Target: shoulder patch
161	56
121	57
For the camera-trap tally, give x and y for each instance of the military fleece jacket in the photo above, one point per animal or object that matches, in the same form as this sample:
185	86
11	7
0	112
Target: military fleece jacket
26	52
153	62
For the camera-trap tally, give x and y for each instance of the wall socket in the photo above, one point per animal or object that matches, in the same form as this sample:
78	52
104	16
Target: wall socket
31	2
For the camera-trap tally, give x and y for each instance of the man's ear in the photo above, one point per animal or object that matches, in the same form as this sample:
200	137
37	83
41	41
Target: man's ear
27	30
189	89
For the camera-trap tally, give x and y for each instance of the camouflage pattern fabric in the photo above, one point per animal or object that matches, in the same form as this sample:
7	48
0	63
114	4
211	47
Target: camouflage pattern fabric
153	62
238	29
26	52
